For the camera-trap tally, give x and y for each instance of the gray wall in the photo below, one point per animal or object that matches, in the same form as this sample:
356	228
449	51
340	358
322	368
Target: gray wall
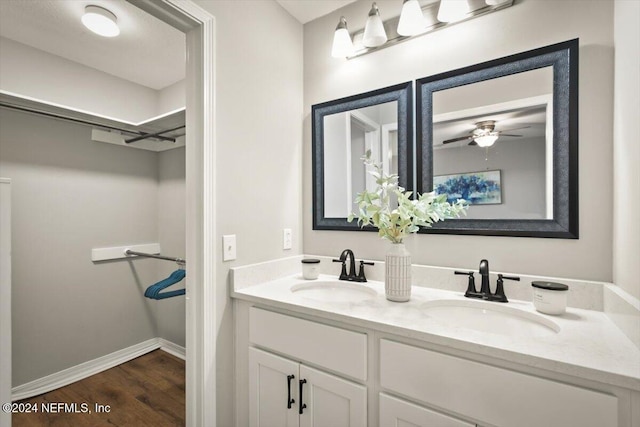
71	195
626	250
258	149
528	24
171	236
522	173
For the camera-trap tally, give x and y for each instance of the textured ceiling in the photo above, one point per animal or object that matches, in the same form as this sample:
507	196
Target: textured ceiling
147	51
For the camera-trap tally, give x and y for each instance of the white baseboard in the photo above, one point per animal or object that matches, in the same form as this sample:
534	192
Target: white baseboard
92	367
174	349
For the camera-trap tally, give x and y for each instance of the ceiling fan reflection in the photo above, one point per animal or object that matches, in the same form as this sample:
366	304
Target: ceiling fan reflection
485	135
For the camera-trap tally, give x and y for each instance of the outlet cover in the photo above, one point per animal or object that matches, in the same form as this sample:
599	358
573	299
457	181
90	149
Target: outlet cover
286	239
229	247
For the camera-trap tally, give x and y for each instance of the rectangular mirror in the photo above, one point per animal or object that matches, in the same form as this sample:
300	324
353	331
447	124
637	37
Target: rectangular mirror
503	136
343	131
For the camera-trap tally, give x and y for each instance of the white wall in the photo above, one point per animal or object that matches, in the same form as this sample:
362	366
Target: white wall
626	175
258	149
70	195
526	25
34	73
335	172
171	98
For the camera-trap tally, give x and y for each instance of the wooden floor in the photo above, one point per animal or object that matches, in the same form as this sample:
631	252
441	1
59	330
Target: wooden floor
147	391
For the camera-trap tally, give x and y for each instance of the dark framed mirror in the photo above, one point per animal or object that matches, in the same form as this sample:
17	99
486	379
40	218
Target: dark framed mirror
343	130
504	135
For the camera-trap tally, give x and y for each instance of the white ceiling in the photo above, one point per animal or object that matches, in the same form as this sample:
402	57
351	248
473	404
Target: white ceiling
308	10
147	51
533	119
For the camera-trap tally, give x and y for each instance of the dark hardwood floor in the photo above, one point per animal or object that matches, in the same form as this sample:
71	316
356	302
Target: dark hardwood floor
147	391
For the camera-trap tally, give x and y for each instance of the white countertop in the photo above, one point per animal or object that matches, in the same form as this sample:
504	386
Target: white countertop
588	345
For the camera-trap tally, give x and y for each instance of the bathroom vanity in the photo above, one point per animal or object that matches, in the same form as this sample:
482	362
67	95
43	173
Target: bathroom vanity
326	353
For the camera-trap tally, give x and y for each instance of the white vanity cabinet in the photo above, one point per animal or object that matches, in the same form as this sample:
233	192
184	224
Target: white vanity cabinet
496	396
280	385
396	412
359	376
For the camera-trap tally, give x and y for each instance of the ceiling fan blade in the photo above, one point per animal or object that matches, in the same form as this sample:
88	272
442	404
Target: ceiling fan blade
510	129
508	134
462	138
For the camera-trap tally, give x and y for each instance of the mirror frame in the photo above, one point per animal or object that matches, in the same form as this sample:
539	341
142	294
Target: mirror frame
403	94
563	57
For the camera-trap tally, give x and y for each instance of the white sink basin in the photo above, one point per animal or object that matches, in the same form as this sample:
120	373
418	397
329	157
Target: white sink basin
490	317
334	291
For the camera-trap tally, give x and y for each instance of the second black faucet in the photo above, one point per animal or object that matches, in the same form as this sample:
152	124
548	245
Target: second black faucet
485	288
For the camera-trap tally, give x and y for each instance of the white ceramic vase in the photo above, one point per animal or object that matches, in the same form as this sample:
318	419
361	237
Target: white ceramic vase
397	273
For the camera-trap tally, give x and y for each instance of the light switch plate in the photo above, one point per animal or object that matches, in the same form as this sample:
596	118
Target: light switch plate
286	239
229	247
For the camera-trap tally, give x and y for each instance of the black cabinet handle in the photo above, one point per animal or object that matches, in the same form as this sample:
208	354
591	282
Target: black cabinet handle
302	405
290	401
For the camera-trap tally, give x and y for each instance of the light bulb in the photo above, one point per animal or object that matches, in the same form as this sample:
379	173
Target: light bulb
486	140
452	10
374	34
342	44
411	19
100	21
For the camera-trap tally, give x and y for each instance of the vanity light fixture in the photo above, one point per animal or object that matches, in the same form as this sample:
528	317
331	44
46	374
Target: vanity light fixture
487	140
374	34
411	19
100	21
342	44
414	21
452	10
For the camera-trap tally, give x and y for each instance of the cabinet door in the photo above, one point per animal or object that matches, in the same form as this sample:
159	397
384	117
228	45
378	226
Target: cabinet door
269	391
331	401
400	413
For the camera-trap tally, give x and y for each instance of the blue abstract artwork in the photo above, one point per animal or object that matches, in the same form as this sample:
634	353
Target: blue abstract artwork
477	188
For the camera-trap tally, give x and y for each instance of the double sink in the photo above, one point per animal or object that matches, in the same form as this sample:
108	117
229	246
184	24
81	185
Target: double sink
482	316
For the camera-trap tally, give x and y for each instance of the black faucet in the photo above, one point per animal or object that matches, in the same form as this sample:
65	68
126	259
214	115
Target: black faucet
485	290
351	276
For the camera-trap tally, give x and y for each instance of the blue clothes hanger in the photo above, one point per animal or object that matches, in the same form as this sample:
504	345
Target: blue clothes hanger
154	291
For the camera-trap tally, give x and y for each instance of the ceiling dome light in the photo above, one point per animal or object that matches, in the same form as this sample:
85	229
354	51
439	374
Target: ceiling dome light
100	21
411	19
486	140
452	10
374	34
342	44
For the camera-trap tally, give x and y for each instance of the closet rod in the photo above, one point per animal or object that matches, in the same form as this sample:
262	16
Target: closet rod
84	122
152	135
166	258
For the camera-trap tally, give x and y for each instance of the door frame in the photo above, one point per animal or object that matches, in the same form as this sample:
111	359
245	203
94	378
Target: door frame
199	27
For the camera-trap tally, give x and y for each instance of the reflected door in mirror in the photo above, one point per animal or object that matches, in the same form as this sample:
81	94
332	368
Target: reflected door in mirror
348	136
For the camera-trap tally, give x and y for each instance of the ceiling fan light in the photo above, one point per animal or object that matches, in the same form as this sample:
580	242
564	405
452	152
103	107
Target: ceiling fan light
452	10
374	34
486	140
100	21
342	43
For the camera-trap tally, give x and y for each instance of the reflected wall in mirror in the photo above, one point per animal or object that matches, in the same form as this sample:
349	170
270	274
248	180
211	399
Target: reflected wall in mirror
343	131
503	135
